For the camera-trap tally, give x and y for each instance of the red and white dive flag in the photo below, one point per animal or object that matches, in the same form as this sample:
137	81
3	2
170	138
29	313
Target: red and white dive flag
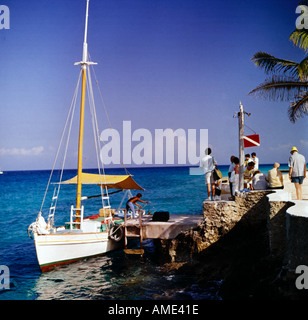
251	141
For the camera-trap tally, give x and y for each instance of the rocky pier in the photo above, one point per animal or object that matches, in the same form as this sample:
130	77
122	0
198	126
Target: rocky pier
253	245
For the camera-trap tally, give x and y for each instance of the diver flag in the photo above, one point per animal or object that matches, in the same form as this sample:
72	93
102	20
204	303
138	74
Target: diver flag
251	141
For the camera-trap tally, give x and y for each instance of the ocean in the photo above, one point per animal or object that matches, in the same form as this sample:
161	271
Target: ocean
112	276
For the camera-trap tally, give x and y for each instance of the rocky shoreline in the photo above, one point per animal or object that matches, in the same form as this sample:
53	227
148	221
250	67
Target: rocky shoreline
240	243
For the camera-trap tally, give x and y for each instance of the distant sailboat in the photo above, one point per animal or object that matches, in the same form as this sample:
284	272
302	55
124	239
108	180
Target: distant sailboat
81	237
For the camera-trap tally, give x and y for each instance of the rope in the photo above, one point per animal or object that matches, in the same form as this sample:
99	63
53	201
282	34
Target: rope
72	107
96	137
106	113
150	204
101	96
66	146
99	195
250	129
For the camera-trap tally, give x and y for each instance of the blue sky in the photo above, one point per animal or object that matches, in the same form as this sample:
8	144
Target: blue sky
162	64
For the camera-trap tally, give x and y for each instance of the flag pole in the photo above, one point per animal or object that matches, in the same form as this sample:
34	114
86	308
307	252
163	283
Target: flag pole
241	146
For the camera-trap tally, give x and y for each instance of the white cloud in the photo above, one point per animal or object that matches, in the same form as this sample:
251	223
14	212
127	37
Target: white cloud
303	142
35	151
281	147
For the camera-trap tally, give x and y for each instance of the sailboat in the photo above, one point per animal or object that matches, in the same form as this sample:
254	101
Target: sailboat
82	236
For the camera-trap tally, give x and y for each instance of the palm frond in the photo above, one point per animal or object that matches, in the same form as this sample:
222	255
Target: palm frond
303	69
300	38
299	107
289	81
280	88
271	64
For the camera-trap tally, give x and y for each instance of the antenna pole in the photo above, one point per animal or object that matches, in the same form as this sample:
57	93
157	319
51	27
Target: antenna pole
85	45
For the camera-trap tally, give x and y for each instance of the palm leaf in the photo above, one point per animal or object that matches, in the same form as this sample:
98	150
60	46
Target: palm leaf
271	64
298	108
303	69
300	38
290	79
280	88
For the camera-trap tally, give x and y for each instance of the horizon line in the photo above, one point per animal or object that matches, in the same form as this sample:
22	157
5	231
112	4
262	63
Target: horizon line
139	167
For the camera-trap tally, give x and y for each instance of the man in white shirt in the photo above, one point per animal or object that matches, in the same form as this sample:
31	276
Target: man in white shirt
297	171
255	160
208	164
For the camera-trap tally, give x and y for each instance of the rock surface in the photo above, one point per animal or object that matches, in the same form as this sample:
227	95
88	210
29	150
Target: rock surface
241	243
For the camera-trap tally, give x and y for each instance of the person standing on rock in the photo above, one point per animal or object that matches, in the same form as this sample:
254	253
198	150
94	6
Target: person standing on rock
297	171
231	169
208	164
255	159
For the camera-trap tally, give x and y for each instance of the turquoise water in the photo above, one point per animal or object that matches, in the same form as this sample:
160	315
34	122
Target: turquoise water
112	276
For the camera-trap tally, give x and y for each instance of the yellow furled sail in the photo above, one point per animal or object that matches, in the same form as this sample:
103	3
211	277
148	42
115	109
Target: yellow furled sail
123	182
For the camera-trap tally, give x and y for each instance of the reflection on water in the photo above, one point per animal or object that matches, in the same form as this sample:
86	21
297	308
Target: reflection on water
80	280
111	276
118	277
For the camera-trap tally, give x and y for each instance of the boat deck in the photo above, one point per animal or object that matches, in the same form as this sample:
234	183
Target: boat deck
158	229
165	230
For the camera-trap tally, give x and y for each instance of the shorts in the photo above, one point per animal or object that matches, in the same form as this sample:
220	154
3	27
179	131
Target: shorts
297	179
130	206
209	178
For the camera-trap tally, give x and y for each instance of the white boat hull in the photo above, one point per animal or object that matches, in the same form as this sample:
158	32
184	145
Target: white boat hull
61	248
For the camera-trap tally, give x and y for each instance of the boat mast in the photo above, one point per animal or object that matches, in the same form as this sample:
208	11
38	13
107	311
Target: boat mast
84	64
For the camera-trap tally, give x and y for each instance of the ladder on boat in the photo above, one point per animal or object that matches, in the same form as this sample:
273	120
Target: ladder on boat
52	207
106	208
76	214
129	234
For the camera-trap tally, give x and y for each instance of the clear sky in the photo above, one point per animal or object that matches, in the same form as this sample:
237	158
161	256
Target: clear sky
162	64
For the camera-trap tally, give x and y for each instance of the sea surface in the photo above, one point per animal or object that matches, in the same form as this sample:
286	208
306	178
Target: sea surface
112	276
